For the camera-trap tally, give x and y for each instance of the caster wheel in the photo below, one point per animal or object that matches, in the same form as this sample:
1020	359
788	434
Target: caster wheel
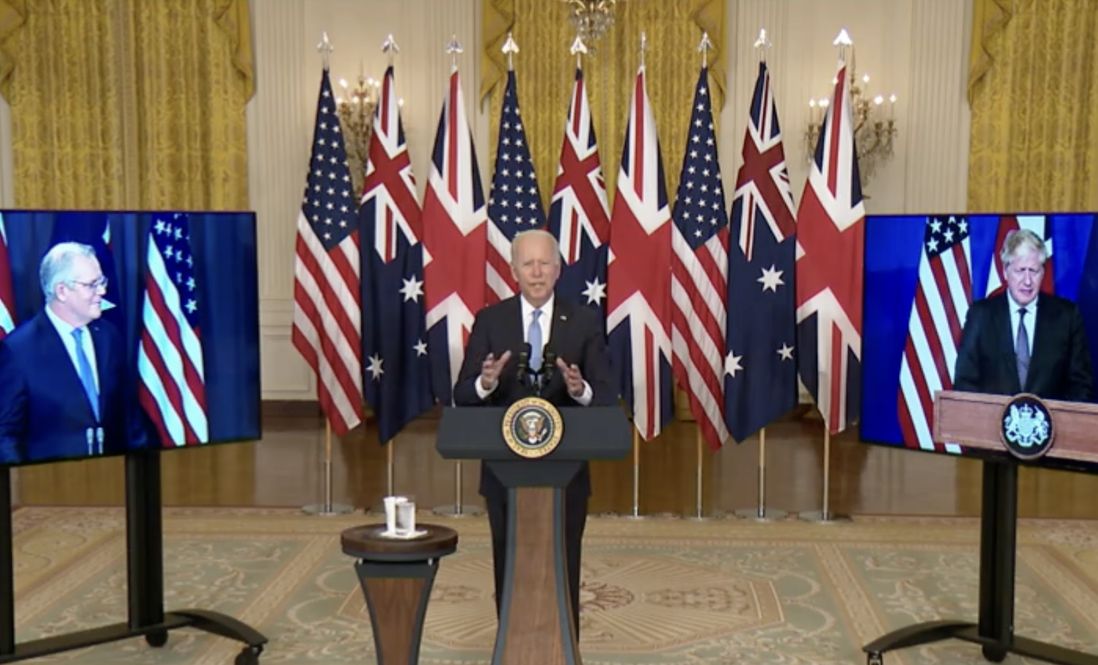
156	639
994	654
874	658
248	656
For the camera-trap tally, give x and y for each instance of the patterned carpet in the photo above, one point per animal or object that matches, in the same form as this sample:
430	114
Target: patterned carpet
661	591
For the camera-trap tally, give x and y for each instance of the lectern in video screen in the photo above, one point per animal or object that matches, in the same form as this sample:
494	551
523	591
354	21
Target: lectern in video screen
922	274
126	330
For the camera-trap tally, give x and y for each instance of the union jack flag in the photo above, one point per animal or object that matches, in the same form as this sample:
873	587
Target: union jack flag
831	244
760	367
327	328
579	216
639	298
515	203
455	240
7	298
942	297
1008	223
172	378
397	380
699	272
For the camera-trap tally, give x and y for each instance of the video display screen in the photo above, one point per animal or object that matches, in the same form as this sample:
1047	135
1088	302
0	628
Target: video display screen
922	275
126	330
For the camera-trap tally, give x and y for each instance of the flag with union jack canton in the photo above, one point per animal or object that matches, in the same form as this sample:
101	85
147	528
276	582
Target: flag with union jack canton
579	216
831	251
760	378
942	297
327	328
7	298
699	274
397	379
454	242
639	276
172	376
514	204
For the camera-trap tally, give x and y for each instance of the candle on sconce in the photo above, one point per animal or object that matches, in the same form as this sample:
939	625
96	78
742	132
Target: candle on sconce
892	106
812	111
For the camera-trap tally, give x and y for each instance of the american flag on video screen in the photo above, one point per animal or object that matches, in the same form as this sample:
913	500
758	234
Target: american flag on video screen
579	217
7	301
514	204
639	296
327	328
172	386
699	273
942	297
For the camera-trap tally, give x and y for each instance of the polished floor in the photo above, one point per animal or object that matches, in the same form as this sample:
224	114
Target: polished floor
285	468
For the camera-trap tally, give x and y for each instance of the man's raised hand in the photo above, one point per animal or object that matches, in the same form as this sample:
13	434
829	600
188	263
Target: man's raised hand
490	370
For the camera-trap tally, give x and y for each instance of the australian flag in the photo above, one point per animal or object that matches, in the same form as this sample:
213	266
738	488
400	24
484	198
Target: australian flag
760	379
396	377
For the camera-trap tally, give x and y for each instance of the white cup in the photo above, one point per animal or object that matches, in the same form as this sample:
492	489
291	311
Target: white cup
405	518
391	503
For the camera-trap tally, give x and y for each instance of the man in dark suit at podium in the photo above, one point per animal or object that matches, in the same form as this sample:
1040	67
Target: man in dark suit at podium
60	372
580	375
1024	340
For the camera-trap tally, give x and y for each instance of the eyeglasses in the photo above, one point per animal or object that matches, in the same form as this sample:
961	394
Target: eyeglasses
95	285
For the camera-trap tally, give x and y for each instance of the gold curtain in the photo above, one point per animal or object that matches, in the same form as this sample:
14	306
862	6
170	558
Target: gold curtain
545	71
1033	90
127	103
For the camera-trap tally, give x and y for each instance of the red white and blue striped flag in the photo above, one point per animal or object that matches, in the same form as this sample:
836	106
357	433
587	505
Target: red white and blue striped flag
699	272
172	383
639	275
397	380
942	297
514	204
7	299
579	217
831	250
760	379
455	242
327	328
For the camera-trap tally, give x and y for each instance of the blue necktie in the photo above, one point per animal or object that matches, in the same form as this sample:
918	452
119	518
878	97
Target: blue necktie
533	336
86	376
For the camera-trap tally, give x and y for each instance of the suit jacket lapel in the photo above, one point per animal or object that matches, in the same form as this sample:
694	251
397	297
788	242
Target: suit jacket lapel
1005	336
102	361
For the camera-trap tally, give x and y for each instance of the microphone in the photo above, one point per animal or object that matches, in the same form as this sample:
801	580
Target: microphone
523	363
549	365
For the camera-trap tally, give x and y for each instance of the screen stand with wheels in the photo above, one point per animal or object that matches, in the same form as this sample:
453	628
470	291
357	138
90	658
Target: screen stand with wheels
145	580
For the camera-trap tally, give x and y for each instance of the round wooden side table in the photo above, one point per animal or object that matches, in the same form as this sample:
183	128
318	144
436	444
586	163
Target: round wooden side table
396	577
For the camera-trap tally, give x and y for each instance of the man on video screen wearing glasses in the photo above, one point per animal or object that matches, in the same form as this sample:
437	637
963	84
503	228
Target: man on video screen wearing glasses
61	372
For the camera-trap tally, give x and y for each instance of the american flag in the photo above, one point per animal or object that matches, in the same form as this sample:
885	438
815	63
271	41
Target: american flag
942	296
7	299
1008	223
514	204
760	379
172	380
831	248
327	297
455	242
397	379
639	298
699	272
579	216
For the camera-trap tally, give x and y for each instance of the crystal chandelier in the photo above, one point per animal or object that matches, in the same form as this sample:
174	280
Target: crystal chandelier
591	18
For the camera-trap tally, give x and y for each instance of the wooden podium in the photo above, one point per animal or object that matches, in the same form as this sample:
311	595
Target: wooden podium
535	624
973	420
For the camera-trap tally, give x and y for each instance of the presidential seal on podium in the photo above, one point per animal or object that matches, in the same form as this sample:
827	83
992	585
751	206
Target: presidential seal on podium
532	427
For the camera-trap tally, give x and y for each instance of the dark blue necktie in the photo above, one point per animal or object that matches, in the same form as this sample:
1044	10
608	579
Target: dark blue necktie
87	377
533	336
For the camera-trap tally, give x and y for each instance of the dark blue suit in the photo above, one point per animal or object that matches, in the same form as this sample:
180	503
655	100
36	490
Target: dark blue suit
44	411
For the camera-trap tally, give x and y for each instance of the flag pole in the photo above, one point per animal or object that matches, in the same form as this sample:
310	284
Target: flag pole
636	476
698	477
760	513
389	466
328	508
824	516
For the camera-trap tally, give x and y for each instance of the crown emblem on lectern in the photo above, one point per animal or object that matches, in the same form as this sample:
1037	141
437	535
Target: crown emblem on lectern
1027	427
